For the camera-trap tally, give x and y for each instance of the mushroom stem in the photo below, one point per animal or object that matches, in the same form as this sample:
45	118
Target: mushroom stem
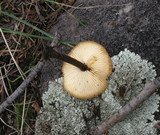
54	54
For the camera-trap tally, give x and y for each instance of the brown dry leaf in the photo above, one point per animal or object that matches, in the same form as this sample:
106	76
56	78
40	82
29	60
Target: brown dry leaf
20	56
36	107
31	12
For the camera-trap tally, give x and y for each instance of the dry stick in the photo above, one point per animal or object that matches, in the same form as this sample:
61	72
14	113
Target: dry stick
22	87
148	90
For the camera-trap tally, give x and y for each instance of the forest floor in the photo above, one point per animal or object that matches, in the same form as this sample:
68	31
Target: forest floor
20	49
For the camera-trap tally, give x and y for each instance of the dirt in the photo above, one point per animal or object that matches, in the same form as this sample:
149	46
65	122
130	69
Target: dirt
27	52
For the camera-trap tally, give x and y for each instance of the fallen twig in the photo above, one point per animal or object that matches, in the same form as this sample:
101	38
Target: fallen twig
22	87
148	90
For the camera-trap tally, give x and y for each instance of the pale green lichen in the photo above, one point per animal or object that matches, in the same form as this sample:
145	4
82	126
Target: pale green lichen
63	115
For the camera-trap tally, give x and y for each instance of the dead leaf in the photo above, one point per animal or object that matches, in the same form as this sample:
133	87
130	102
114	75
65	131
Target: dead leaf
36	107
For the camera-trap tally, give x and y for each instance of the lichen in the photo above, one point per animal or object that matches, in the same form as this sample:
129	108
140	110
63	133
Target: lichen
63	114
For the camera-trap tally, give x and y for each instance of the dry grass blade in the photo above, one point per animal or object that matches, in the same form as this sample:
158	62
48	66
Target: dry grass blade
8	125
23	112
22	87
7	51
89	7
20	71
4	86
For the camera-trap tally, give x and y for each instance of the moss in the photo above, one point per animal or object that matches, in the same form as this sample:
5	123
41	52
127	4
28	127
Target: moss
62	114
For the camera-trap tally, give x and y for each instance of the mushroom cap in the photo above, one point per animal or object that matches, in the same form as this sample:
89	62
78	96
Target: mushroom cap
90	83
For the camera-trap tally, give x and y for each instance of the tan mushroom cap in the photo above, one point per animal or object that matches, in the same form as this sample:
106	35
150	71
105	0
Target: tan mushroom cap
90	83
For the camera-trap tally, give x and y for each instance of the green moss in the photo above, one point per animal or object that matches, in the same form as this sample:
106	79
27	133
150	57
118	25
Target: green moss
63	114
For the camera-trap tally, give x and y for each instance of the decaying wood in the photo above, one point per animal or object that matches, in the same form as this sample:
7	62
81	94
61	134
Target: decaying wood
22	87
148	90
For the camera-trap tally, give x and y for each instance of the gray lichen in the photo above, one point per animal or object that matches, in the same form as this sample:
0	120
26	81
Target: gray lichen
63	114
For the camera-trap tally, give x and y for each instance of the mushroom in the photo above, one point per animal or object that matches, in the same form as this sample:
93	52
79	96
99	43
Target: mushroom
89	83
